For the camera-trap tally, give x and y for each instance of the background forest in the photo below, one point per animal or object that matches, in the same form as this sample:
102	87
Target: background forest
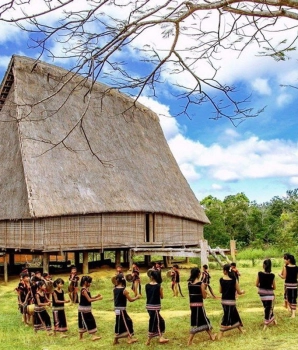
274	223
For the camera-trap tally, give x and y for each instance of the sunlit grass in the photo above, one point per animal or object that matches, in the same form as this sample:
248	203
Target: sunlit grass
14	335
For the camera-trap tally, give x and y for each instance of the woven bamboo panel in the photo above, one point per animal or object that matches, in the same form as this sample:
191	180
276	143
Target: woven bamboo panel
173	230
74	232
127	228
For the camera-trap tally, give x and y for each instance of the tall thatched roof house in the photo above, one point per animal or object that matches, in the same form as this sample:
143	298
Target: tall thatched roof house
56	195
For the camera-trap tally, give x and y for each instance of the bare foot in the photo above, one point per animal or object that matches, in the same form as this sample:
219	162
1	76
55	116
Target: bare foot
115	342
241	329
95	338
148	341
63	336
132	340
163	340
219	336
265	327
213	336
275	321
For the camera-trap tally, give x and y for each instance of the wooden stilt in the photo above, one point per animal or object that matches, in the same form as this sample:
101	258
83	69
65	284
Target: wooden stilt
45	262
5	258
85	263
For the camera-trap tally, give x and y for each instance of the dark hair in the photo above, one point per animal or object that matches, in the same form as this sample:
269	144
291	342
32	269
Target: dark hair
267	265
120	280
40	283
58	281
85	279
227	268
233	264
45	274
176	266
286	256
205	266
156	276
194	273
24	274
292	259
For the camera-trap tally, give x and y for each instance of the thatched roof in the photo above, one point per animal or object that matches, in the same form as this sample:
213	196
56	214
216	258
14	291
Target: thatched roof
140	174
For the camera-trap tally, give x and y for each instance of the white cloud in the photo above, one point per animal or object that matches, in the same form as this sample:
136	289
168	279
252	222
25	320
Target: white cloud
216	187
294	180
261	86
284	99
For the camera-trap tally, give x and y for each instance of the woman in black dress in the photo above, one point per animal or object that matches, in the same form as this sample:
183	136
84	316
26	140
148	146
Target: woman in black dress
198	319
228	288
154	294
42	320
289	274
266	285
58	301
124	325
86	320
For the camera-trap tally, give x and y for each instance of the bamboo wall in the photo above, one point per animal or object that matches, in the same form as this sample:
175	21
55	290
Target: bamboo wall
103	231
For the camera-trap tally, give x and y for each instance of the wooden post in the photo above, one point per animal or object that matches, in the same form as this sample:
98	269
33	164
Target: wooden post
77	259
147	259
45	262
102	256
233	249
117	258
151	228
5	261
85	263
130	259
165	261
204	252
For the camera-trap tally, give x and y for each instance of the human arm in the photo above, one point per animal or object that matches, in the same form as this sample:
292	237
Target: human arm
239	291
203	289
283	273
39	303
258	281
90	299
273	284
161	293
129	298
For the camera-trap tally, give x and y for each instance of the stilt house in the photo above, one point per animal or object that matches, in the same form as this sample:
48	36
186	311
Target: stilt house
83	172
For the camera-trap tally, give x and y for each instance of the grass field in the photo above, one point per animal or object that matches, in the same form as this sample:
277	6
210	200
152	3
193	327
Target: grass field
15	335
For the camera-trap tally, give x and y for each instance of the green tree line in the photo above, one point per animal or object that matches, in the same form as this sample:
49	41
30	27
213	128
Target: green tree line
252	224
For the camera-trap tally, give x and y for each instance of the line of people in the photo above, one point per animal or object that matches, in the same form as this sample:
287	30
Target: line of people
197	290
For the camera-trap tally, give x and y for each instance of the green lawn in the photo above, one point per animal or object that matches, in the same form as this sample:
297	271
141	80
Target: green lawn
14	335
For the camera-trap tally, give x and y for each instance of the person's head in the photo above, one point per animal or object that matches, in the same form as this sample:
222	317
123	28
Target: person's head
25	276
37	274
233	265
58	282
194	274
291	260
175	267
227	270
157	265
119	269
205	267
86	280
267	265
41	285
155	276
73	269
45	275
287	258
120	280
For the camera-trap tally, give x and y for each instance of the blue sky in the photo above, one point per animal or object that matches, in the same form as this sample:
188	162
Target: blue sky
258	157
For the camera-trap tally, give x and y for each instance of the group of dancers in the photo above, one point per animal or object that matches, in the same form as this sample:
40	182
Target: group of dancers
36	292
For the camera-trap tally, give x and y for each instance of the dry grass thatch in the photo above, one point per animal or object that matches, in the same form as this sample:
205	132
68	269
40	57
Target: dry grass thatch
139	173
